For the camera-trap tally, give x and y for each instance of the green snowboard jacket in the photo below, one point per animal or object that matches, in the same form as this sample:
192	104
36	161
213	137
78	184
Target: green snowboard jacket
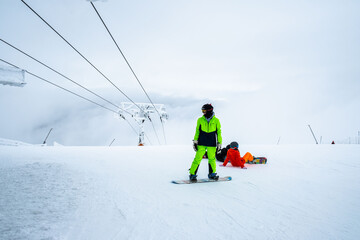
208	133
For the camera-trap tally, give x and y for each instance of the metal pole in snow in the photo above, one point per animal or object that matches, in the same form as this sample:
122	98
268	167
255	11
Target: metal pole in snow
47	136
112	142
313	134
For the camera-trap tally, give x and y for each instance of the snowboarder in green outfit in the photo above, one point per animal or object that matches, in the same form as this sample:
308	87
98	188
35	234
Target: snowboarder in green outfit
207	139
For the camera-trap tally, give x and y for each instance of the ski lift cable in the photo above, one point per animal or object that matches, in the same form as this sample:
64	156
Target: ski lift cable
147	138
163	128
154	129
52	69
58	86
127	62
79	53
32	74
76	84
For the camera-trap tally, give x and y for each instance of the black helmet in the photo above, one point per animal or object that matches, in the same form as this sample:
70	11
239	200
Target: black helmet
234	145
207	110
207	107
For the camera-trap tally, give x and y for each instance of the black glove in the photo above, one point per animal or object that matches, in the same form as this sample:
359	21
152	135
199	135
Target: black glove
195	144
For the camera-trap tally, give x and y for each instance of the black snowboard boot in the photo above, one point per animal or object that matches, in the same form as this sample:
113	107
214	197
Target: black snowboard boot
193	178
213	176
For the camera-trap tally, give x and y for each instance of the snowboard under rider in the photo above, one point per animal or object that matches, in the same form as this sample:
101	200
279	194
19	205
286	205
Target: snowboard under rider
207	139
233	156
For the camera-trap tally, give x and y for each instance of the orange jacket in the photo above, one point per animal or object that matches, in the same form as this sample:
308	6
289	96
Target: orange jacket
233	155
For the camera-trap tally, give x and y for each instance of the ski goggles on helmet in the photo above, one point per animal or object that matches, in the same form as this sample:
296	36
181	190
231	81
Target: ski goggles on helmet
234	145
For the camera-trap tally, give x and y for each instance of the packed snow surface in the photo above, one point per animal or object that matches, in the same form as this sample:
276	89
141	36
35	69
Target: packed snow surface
304	192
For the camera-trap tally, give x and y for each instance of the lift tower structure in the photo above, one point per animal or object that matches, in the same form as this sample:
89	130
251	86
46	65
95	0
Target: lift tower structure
141	112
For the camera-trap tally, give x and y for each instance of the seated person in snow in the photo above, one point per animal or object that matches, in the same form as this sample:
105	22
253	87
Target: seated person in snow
220	156
233	156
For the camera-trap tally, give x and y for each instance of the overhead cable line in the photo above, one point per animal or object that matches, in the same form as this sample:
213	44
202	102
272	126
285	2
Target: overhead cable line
154	129
32	74
79	52
127	62
82	56
52	69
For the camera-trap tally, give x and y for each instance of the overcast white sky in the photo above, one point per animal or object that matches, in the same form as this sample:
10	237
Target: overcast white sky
269	67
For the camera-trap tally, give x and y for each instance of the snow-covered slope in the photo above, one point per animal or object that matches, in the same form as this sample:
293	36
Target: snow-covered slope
304	192
9	142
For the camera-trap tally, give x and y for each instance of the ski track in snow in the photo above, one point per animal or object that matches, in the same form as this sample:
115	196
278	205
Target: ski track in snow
304	192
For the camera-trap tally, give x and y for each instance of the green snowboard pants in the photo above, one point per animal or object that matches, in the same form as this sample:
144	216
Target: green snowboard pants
211	152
